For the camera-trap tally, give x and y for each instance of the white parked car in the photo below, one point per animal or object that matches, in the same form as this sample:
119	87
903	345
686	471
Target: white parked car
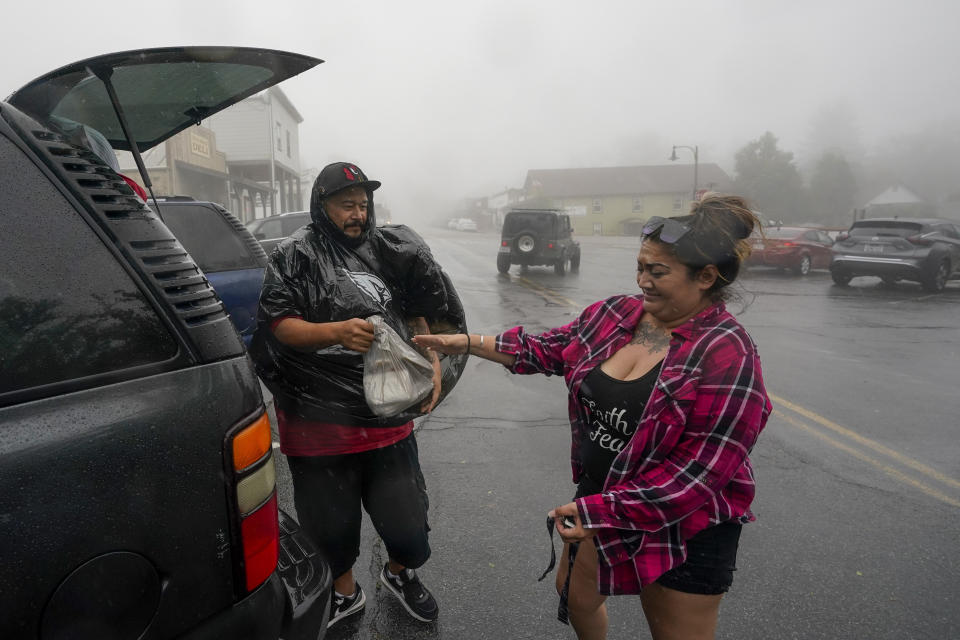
466	224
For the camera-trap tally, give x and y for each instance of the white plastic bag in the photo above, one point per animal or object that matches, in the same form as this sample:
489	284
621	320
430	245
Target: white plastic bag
395	375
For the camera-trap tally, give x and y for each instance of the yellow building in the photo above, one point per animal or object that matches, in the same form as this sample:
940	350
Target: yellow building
614	201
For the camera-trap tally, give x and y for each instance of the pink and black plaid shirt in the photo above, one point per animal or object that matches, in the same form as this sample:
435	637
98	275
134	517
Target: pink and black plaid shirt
687	466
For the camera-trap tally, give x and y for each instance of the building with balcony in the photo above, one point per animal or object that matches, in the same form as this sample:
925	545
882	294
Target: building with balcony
188	164
261	139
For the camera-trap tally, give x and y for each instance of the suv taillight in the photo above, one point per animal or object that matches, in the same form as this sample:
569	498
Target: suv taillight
923	240
256	496
504	243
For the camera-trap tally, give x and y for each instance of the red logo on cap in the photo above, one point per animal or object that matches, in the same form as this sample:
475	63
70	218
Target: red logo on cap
348	173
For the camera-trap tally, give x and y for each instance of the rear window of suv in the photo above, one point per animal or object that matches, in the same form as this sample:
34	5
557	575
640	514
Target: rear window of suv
68	310
891	228
542	223
207	237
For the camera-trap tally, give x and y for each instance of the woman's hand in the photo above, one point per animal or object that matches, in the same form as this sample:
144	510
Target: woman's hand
450	344
576	533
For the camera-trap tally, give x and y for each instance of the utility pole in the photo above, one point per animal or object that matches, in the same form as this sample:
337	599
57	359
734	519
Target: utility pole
696	162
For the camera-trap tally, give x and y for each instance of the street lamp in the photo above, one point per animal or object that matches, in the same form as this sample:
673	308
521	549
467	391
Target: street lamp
696	162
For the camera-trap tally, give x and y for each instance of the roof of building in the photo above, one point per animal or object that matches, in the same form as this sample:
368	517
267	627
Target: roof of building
896	195
282	98
595	181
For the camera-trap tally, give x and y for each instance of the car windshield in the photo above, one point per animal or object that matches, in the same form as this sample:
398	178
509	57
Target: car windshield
214	244
878	228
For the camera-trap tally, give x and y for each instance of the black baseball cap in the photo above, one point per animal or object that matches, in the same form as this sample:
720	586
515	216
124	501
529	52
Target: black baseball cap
338	176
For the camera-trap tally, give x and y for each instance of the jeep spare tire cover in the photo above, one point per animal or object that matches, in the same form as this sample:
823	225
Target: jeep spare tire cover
526	242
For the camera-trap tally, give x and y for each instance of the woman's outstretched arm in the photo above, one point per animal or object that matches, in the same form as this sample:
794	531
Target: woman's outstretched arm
452	344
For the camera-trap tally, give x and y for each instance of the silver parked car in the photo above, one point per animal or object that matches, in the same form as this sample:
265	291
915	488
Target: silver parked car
924	250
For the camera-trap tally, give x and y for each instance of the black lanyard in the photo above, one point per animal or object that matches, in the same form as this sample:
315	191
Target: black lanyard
562	612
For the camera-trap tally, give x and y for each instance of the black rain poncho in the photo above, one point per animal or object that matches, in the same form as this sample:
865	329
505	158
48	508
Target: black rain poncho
321	275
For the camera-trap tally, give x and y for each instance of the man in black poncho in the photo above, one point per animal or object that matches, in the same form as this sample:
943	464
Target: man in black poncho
319	286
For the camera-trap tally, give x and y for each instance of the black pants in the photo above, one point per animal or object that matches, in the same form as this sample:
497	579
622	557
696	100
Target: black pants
329	490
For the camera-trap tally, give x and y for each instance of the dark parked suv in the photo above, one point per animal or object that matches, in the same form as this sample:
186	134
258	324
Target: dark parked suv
229	256
137	478
532	237
924	250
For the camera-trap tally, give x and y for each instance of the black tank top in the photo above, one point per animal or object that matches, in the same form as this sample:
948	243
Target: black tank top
613	409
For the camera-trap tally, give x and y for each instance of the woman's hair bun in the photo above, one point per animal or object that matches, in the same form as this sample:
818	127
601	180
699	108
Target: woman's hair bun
742	228
727	212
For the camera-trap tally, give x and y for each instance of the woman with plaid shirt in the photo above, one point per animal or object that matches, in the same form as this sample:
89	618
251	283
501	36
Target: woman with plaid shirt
666	402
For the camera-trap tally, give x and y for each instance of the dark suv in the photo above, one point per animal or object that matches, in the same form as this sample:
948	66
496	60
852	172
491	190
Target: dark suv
924	250
538	237
137	481
229	256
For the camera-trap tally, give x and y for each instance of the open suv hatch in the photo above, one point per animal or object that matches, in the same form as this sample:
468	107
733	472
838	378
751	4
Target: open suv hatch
137	480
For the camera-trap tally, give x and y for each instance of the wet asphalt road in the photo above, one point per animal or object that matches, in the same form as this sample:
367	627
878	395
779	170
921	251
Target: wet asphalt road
858	503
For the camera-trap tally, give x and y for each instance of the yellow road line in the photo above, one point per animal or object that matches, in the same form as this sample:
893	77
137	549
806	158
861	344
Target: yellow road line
902	477
549	294
867	442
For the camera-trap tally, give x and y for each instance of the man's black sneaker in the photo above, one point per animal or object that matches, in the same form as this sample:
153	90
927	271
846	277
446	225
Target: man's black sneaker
343	606
411	593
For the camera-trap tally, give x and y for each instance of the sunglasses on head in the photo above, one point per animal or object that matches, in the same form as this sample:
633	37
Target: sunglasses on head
670	229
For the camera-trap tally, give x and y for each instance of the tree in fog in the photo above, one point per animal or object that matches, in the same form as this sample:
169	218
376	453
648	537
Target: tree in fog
833	128
833	190
768	176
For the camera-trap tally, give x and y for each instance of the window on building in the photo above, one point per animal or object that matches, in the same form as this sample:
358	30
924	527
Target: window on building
677	203
279	138
638	204
598	228
288	144
598	205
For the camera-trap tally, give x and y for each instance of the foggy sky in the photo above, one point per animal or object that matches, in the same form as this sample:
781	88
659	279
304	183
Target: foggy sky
440	100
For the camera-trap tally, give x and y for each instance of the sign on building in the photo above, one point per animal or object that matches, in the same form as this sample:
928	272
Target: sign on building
199	145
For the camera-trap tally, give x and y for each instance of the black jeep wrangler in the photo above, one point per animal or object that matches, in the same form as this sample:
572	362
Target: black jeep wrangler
538	237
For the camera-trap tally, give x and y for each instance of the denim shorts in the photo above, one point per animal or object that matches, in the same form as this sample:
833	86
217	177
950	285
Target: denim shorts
711	555
711	561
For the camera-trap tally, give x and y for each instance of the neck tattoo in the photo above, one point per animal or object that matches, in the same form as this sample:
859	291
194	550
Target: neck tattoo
652	338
